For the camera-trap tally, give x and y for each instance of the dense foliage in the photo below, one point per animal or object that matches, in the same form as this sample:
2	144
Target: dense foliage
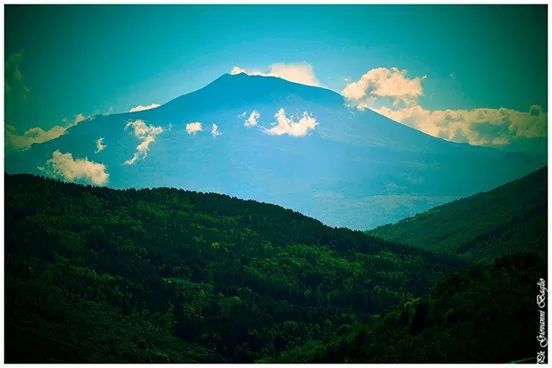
164	275
506	220
484	314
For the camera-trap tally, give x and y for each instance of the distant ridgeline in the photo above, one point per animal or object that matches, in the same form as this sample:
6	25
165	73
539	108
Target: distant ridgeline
164	275
509	219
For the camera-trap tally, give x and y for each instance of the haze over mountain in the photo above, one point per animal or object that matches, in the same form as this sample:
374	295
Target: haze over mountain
271	140
506	220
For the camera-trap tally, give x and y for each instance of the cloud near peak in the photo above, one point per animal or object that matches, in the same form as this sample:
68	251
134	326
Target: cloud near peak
392	93
144	107
64	165
294	72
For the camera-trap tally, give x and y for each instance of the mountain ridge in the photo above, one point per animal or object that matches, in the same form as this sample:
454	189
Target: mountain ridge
471	226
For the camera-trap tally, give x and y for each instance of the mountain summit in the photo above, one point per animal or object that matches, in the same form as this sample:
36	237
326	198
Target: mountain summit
272	140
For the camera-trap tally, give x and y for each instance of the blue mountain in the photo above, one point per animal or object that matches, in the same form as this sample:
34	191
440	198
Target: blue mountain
353	168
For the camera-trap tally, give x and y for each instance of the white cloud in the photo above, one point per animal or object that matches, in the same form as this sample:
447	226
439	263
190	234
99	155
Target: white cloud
64	165
193	128
285	125
253	118
34	135
214	130
295	72
479	126
100	145
237	70
142	107
384	83
391	93
76	119
146	134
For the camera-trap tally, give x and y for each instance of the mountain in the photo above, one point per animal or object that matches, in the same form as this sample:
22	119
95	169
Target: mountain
506	220
94	274
342	166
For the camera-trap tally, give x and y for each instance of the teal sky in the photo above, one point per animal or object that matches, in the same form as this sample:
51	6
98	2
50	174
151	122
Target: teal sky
101	59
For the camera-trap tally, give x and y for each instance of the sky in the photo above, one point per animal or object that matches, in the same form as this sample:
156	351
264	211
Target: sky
63	63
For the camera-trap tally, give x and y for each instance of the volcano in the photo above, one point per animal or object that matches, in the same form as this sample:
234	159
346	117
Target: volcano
271	140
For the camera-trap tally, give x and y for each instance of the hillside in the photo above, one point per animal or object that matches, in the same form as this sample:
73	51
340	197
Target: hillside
483	314
279	142
163	275
511	218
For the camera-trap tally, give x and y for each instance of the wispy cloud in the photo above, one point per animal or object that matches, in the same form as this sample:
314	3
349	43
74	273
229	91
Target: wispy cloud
142	107
392	93
253	118
100	145
15	142
295	72
289	126
146	134
193	128
215	130
14	83
65	166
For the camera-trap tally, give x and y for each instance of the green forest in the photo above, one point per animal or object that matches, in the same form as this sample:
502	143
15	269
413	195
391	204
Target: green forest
164	275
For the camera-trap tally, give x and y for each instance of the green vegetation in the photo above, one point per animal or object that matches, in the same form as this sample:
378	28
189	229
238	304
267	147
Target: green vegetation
506	220
484	314
164	275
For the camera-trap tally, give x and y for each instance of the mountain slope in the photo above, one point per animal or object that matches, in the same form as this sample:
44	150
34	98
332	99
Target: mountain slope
505	220
455	323
164	275
353	168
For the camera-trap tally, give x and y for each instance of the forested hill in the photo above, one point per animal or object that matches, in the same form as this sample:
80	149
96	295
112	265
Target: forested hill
509	219
100	275
483	314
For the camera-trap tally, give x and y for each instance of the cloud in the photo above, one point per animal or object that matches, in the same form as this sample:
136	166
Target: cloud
193	128
384	83
253	118
14	83
480	126
214	130
16	142
146	134
237	70
295	72
287	126
142	107
100	146
70	169
391	93
79	118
